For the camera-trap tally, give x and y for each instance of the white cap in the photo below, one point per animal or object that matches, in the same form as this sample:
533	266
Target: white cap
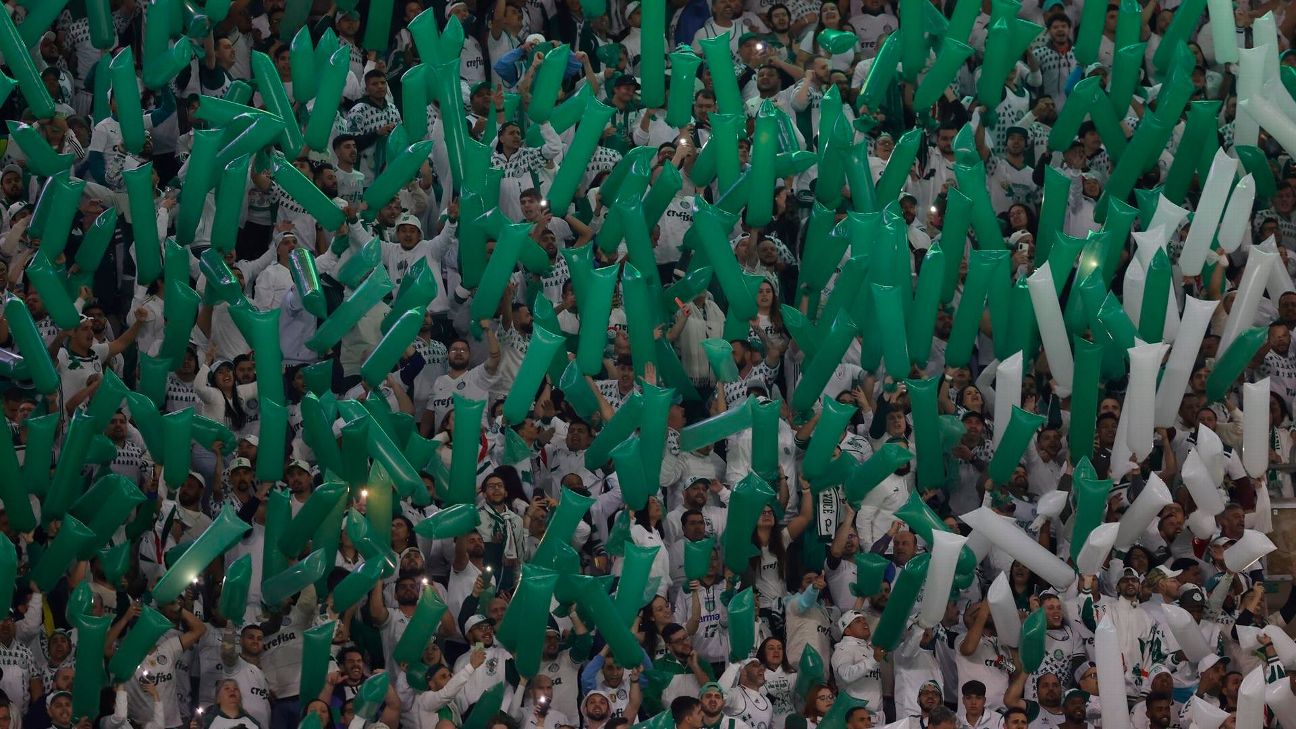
474	621
630	7
408	219
238	463
534	38
253	439
199	478
1209	661
847	618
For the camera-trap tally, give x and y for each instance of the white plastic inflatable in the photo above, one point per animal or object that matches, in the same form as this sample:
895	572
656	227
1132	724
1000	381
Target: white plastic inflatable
1192	328
1139	516
1003	610
1111	676
940	577
1255	427
1053	333
1206	219
1010	538
1140	398
1246	551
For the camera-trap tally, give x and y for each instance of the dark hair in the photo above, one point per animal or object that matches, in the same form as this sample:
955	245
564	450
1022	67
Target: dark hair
375	73
941	715
683	706
851	712
1016	710
809	710
1155	696
760	654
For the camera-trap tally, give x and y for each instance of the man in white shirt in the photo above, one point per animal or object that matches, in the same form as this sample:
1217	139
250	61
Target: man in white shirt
276	280
474	383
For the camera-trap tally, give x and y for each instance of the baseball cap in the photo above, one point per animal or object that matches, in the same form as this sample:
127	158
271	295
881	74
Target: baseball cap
630	7
199	478
298	463
847	618
1192	596
15	169
1222	541
1130	572
1161	572
932	685
238	463
1016	130
709	687
624	80
1075	692
1209	661
450	8
254	440
408	219
698	480
1082	669
476	620
49	700
534	38
18	207
1095	66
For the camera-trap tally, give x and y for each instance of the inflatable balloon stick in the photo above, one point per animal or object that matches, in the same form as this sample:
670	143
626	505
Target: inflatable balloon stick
940	577
234	589
760	209
1009	537
316	642
61	553
353	309
1111	674
90	678
1233	361
464	445
749	498
224	531
577	155
951	57
304	191
715	428
307	283
720	62
615	632
1020	430
616	430
697	559
142	638
895	616
871	472
547	83
20	61
332	81
421	629
1033	632
679	106
1003	611
742	623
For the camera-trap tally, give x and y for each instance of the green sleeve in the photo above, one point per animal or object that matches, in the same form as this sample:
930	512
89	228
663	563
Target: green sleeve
581	645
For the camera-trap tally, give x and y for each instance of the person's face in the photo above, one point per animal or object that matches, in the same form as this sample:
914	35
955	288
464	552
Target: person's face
945	141
929	699
863	720
596	708
774	653
824	700
1050	443
59	647
485	633
712	703
1053	612
1015	720
299	481
1128	587
353	666
905	545
1232	682
251	642
613	673
530	207
973	704
1158	713
679	645
1059	31
407	591
12	185
1107	432
60	710
767	518
1206	417
1049	690
703	107
695	496
1074	709
753	674
245	372
347	152
494	490
1284	200
780	20
376	87
190	492
830	15
511	137
458	355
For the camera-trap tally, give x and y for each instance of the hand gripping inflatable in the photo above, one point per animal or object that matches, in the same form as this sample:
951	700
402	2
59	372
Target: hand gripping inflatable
951	57
1010	538
547	83
219	537
1178	369
972	304
399	172
625	647
1207	216
895	616
422	627
749	497
149	627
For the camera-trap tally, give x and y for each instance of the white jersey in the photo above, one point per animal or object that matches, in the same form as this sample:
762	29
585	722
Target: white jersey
989	665
778	687
162	669
475	384
252	684
484	678
753	708
712	638
283	648
18	665
565	675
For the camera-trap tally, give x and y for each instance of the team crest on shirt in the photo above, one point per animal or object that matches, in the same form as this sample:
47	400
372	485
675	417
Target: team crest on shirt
491	665
553	666
621	695
461	385
161	660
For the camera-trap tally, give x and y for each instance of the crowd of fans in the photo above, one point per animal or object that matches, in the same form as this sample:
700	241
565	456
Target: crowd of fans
814	661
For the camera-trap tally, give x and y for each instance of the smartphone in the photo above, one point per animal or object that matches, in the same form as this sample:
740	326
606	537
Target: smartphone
479	646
